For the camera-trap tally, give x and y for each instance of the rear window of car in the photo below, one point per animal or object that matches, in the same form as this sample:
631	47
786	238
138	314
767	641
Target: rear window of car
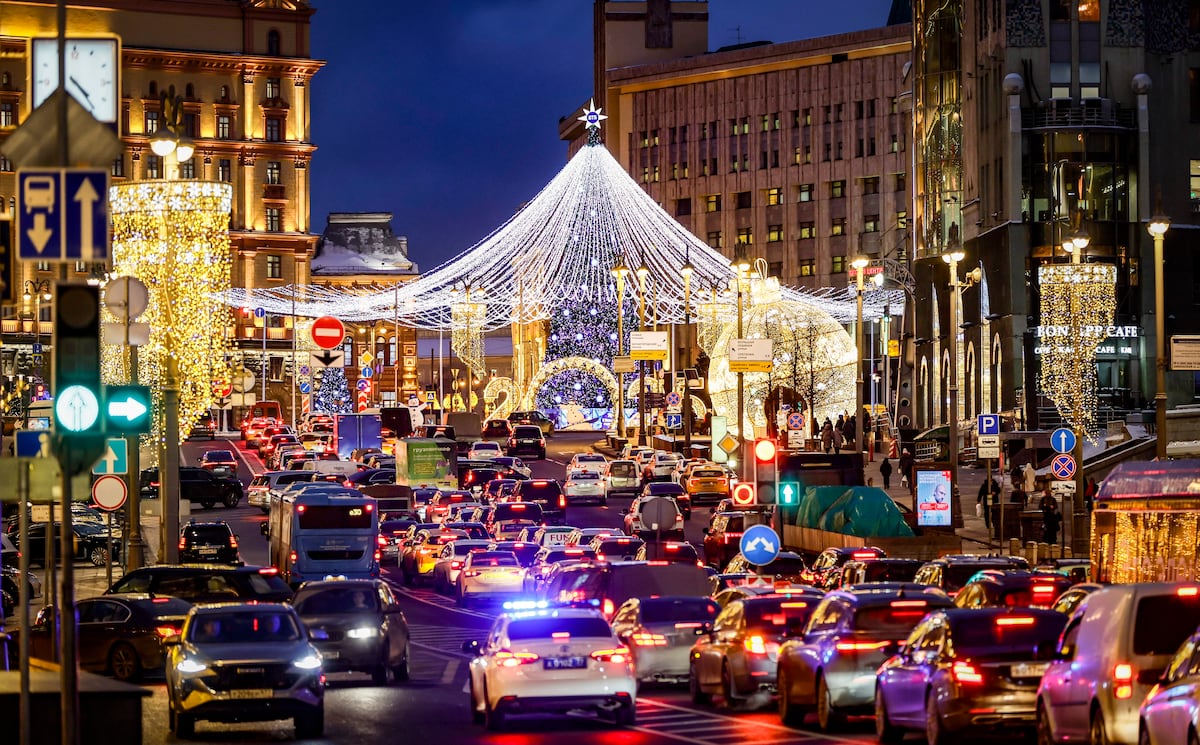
706	474
223	456
291	478
545	628
1162	622
166	606
496	428
620	547
777	612
507	511
1009	635
785	566
527	432
585	476
494	559
643	580
875	571
326	600
623	469
665	610
208	533
539	491
569	554
956	576
525	552
669	490
898	616
395	527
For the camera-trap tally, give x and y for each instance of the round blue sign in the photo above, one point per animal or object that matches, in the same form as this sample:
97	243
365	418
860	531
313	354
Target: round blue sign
367	372
759	544
306	387
1062	440
363	384
260	312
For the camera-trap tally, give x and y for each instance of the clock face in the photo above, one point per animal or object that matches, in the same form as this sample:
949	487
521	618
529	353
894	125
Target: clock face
92	73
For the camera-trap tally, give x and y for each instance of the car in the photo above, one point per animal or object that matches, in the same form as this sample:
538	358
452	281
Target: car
196	485
1112	651
547	494
439	507
535	418
1070	600
526	439
538	570
553	660
830	666
497	430
608	584
282	451
476	479
636	522
671	490
1012	588
475	530
829	562
860	571
660	466
584	536
723	536
549	536
252	429
208	583
1077	568
203	428
92	543
523	550
706	485
660	632
736	659
787	566
450	561
668	551
318	442
1171	711
238	662
214	541
585	486
515	465
616	547
356	625
588	462
10	584
120	635
622	477
370	477
268	448
727	595
950	573
966	672
489	574
484	450
421	552
393	532
220	462
264	485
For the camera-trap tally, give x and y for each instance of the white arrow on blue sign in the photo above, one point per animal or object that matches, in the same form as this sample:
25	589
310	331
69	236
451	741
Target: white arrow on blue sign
1062	440
305	387
367	372
759	544
115	459
62	214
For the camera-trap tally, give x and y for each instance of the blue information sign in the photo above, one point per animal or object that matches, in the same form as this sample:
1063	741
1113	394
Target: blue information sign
989	424
1062	440
63	214
759	544
674	421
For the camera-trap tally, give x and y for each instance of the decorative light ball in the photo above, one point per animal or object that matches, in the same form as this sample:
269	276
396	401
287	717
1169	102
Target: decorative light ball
557	399
553	337
599	398
578	337
612	336
593	311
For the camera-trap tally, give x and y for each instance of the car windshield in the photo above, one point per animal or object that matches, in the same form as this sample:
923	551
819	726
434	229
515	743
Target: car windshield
623	470
1162	622
777	612
661	610
1007	636
549	628
254	627
707	474
330	600
517	511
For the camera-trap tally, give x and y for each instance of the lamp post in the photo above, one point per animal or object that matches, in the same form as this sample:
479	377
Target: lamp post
687	270
1159	224
860	266
642	272
952	258
741	265
620	272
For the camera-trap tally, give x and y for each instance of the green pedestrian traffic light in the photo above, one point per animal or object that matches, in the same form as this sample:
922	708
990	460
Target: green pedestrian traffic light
789	493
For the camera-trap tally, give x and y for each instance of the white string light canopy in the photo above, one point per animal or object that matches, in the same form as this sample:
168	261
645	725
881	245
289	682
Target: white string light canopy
545	257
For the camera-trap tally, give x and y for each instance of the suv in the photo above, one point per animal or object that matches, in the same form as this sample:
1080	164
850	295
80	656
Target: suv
203	427
206	584
220	462
998	588
545	493
244	662
536	418
723	536
357	625
672	490
203	542
634	524
828	564
607	585
498	430
950	573
527	438
196	485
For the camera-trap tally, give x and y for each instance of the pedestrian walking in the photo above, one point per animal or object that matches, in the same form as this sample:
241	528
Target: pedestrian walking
838	440
885	470
906	463
827	436
989	493
1051	521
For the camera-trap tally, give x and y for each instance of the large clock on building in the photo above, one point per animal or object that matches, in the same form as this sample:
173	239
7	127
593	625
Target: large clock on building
92	73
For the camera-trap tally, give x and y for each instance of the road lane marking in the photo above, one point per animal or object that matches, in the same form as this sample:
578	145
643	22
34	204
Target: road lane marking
428	597
776	733
450	672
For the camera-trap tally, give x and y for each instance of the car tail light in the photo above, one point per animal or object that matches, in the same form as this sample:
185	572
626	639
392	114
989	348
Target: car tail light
1123	681
1187	592
646	639
270	570
562	501
793	605
165	631
608	608
1043	589
233	542
292	557
965	672
657	563
863	555
456	565
472	573
758	645
688	625
860	646
733	537
1014	621
617	655
504	658
182	543
382	541
378	555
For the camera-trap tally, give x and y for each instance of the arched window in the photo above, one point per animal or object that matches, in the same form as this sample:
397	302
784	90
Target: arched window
997	365
926	393
273	43
224	93
943	393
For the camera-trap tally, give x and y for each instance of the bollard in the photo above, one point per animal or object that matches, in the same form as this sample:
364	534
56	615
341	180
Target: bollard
1014	546
1067	553
1031	552
1056	552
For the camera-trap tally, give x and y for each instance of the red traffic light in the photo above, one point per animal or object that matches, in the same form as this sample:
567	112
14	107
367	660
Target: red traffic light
764	451
744	494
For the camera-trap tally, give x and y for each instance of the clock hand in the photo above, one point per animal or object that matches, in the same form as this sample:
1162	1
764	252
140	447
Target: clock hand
81	90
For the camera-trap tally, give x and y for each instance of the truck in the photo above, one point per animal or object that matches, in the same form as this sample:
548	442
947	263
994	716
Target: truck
356	431
424	463
468	427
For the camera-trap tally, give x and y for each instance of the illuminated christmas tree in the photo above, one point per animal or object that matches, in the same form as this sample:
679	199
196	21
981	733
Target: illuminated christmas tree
333	393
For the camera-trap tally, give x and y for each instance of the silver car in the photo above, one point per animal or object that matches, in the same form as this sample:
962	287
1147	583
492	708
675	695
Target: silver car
660	633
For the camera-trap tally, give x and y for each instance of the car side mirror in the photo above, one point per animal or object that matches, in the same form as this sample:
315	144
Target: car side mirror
43	617
472	646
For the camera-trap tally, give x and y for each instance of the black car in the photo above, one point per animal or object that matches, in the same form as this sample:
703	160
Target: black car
208	541
200	583
536	418
357	625
527	439
196	485
547	494
203	428
91	543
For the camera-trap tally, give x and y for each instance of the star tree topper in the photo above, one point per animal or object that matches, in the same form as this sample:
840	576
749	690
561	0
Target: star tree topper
591	120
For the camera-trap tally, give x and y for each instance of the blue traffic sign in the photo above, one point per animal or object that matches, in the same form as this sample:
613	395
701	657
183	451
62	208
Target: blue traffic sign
37	348
989	424
33	443
1063	467
795	420
115	459
62	214
260	312
305	387
759	544
1062	440
363	384
367	372
674	421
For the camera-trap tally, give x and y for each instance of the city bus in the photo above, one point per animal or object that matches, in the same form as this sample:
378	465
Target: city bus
316	533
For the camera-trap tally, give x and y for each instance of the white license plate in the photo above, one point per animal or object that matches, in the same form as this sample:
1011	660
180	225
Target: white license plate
331	655
564	663
208	550
1029	669
251	693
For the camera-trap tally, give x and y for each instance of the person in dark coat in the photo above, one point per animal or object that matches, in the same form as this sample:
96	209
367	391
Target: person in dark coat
827	435
850	433
905	464
1051	521
989	494
885	470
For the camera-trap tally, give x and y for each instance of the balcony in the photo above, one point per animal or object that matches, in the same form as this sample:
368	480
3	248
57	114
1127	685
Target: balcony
27	326
250	332
1066	113
274	191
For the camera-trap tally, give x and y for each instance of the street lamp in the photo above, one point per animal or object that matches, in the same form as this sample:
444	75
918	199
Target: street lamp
642	272
620	272
1159	224
686	271
860	266
952	258
741	264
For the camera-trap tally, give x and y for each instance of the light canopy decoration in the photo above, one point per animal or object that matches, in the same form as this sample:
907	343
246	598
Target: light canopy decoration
1077	305
174	237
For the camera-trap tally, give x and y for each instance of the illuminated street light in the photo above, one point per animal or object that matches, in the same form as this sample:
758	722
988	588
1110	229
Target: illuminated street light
1158	227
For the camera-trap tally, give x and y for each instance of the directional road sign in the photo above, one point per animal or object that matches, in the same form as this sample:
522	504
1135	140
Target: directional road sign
760	544
1062	440
109	493
795	420
33	443
115	459
674	421
1063	466
328	332
327	359
77	408
305	387
989	424
363	384
367	372
62	214
260	312
127	409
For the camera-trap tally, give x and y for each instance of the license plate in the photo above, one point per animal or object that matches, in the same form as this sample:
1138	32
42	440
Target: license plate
332	654
564	663
251	693
208	550
1029	669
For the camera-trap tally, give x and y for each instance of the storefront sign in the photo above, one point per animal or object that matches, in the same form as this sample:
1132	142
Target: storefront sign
1113	340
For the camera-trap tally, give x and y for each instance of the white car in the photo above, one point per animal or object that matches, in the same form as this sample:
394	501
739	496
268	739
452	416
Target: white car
551	661
584	536
484	450
588	462
663	465
489	574
515	464
552	535
585	486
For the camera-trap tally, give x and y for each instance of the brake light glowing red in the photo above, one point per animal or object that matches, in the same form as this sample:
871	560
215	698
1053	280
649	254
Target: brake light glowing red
301	508
617	656
1014	621
965	672
860	646
1123	680
1043	589
609	608
1187	592
908	604
646	639
269	570
863	555
560	635
504	658
292	557
165	631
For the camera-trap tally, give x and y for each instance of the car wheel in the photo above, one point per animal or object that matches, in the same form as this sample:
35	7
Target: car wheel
885	731
828	717
232	499
699	696
123	662
626	716
379	675
1097	733
727	686
98	556
207	503
790	714
311	724
401	672
185	725
935	732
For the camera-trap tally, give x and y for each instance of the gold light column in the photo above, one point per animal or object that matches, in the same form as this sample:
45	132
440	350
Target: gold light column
1159	224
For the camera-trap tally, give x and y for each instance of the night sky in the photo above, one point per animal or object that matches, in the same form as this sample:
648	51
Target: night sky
446	113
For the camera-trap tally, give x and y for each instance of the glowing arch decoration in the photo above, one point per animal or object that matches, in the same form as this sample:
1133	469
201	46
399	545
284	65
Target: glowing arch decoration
547	371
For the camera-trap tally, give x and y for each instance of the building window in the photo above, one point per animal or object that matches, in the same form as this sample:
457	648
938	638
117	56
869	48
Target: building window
191	125
704	130
837	264
839	150
187	169
714	238
807	267
273	43
807	230
774	233
775	269
894	105
870	146
871	224
871	185
712	203
274	88
683	134
684	170
745	125
153	166
746	236
225	170
774	196
683	207
837	189
223	122
274	219
901	181
150	122
42	266
274	267
858	109
806	193
838	227
645	138
654	137
828	114
656	172
81	267
858	153
902	219
118	167
8	117
841	109
766	122
895	146
743	200
645	174
274	129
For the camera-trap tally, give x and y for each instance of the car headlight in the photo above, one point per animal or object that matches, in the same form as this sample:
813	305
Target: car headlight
308	662
189	665
364	632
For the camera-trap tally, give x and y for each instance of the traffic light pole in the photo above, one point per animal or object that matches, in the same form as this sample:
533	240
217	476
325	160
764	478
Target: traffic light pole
135	557
68	672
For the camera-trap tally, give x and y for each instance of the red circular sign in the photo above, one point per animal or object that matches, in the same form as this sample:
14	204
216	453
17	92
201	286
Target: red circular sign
744	494
222	388
328	332
109	492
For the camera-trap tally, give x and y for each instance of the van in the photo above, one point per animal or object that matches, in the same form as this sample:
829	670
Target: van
263	410
343	468
1112	651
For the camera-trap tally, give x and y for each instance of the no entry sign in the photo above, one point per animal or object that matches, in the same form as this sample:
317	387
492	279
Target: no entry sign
328	332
